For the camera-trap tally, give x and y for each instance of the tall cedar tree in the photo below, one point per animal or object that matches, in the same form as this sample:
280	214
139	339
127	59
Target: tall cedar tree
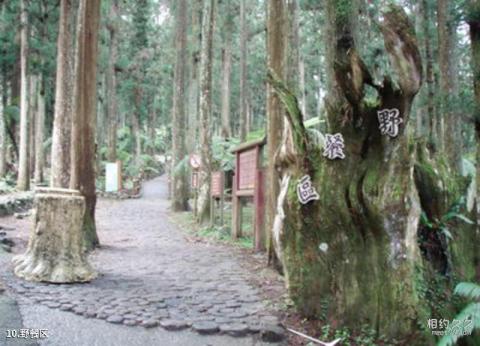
208	25
23	180
179	183
84	116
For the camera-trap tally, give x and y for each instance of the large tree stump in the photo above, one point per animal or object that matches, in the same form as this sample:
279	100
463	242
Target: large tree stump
55	252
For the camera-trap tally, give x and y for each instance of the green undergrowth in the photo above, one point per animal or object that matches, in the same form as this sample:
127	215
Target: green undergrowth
7	184
366	336
216	233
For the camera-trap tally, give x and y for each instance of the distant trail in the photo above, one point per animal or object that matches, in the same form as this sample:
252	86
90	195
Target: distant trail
151	279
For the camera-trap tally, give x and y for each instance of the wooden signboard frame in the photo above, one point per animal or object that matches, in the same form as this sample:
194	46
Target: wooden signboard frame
248	181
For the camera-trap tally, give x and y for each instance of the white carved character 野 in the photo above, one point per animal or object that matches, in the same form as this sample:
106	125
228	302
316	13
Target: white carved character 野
390	121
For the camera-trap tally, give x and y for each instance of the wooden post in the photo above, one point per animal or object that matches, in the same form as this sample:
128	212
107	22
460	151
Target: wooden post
212	211
259	205
195	197
236	210
222	199
119	171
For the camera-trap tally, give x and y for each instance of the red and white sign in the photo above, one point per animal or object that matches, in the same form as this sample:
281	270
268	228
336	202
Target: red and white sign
195	161
194	181
217	184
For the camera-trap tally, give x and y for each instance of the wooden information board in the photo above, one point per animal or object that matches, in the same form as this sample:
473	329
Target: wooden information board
247	162
248	182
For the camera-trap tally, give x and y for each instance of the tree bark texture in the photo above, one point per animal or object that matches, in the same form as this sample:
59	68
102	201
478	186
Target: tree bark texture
354	253
208	25
64	102
55	252
243	71
112	84
23	179
179	176
32	116
193	85
84	118
474	24
227	71
40	133
429	76
3	130
452	137
276	63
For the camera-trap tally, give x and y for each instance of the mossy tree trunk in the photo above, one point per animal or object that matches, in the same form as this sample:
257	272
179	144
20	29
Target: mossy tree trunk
352	256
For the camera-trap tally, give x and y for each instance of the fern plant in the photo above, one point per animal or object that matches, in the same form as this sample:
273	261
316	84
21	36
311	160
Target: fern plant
469	317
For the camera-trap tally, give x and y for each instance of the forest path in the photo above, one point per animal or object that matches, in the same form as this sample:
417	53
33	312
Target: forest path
150	280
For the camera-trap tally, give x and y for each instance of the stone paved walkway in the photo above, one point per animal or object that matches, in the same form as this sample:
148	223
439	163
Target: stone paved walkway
151	277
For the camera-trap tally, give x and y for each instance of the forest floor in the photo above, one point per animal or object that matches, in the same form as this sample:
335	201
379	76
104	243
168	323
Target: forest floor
153	279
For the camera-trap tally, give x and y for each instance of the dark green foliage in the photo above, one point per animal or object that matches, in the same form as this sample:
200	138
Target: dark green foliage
469	317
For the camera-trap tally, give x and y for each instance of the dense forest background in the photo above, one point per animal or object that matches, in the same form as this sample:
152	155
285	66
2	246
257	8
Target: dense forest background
395	228
136	42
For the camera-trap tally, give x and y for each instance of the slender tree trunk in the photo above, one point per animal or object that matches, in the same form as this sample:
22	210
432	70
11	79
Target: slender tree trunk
64	102
446	59
84	118
473	20
15	98
193	93
32	115
226	71
3	133
303	94
179	182
39	132
136	139
23	180
152	120
112	84
208	26
431	116
276	58
243	70
292	44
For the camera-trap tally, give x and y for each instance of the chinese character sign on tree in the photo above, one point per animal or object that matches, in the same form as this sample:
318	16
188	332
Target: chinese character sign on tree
390	121
305	190
334	146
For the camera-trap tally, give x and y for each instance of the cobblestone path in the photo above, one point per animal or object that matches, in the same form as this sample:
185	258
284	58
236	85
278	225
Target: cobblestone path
151	277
